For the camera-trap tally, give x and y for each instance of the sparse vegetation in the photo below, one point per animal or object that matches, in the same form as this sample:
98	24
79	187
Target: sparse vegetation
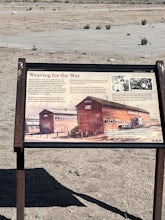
108	26
34	48
144	22
144	41
29	9
87	26
98	27
74	131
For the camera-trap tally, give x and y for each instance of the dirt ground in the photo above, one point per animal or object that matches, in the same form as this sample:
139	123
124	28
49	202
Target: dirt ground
73	184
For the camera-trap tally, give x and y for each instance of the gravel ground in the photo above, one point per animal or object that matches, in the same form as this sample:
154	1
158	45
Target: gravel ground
82	184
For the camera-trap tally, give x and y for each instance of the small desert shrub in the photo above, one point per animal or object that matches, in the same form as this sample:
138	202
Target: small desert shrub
98	27
144	41
29	9
74	131
87	26
108	26
144	22
34	48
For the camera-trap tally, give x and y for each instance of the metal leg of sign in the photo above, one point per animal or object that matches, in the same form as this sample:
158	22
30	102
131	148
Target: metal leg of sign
20	186
158	190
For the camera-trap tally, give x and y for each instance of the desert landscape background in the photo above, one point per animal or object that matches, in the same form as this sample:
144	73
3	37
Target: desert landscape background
82	184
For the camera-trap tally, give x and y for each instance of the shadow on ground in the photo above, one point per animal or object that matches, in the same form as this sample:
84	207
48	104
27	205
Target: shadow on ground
42	190
4	218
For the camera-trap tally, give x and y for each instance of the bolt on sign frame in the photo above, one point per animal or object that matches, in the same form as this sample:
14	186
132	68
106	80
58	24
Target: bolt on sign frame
68	106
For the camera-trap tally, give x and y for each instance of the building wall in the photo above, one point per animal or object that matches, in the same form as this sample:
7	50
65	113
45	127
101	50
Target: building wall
114	117
64	123
51	122
94	118
46	122
32	125
90	119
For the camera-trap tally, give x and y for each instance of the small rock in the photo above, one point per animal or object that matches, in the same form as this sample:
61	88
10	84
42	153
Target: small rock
145	56
14	12
111	60
70	210
76	173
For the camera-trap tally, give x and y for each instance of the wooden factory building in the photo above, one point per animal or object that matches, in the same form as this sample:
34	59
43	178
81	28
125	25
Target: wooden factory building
96	116
52	121
32	125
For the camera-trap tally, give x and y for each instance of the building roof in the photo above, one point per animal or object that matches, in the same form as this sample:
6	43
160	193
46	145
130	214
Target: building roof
60	111
107	103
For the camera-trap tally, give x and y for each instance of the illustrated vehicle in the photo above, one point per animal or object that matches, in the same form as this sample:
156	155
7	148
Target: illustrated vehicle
136	122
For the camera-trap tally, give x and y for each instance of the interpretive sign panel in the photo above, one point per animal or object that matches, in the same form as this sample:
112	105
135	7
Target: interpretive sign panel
65	106
90	105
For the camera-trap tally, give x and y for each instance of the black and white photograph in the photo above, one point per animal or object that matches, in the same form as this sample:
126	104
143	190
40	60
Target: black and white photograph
141	83
120	83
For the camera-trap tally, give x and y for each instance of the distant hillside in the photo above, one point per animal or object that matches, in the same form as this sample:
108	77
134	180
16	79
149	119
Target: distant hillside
93	1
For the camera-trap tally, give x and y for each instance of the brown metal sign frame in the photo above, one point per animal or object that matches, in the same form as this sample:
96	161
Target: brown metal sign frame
20	145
